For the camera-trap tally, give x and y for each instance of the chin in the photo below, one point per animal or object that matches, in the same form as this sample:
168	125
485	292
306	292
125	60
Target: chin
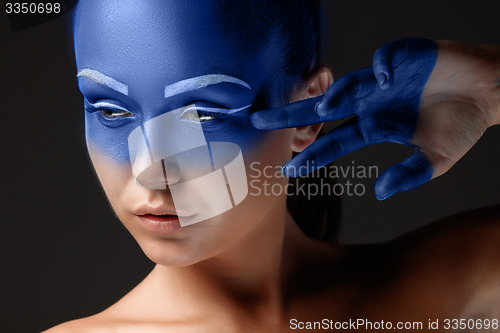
168	252
191	245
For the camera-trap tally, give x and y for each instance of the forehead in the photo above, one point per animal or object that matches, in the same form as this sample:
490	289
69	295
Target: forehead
160	41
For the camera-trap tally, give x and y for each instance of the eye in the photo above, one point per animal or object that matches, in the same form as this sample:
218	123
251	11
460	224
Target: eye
197	116
204	112
115	113
108	110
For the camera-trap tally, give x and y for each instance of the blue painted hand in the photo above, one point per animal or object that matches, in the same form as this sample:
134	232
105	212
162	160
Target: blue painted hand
395	100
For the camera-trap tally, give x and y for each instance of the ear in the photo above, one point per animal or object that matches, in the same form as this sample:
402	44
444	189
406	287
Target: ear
316	84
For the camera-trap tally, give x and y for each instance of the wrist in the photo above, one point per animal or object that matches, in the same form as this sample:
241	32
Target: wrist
485	62
495	95
496	99
491	83
496	121
488	59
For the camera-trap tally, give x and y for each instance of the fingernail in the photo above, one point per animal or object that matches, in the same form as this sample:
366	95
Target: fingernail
321	109
283	169
381	78
387	196
317	106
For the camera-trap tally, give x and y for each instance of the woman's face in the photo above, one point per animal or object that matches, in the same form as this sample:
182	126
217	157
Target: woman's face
139	60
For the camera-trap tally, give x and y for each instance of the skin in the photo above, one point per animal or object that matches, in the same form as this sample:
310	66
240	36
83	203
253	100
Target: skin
251	269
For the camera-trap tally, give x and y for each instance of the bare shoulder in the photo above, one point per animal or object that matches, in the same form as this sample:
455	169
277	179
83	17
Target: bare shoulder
105	321
122	316
97	324
88	324
460	252
457	249
470	235
112	324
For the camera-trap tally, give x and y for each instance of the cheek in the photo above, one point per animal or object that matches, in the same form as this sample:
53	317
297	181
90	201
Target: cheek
272	149
110	143
115	178
237	130
254	143
264	164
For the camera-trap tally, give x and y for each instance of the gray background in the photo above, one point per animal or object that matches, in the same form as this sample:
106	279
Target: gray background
65	255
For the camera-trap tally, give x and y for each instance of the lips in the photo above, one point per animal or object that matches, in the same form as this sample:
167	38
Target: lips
162	210
163	224
159	219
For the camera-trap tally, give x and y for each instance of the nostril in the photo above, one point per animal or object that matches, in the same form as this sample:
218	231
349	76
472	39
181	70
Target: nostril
159	175
151	177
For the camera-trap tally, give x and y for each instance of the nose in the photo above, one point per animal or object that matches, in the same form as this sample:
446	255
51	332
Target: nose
155	176
165	151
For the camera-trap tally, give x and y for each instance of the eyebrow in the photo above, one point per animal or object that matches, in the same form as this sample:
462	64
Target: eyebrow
201	82
104	80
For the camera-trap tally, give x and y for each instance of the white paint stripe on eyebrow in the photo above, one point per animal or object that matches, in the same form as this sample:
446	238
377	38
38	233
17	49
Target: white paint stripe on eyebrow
201	82
104	80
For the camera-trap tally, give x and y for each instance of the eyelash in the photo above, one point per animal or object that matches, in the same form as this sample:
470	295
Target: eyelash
104	108
214	112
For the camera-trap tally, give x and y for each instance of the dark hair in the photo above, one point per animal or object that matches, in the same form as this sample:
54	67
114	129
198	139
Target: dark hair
297	24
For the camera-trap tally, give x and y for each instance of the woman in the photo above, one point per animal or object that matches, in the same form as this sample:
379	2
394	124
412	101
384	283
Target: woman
204	68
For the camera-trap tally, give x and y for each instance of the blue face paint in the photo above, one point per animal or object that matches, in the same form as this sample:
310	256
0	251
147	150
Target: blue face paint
169	96
385	99
138	60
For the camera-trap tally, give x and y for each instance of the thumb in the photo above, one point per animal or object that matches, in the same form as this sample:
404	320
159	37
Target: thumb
386	58
413	55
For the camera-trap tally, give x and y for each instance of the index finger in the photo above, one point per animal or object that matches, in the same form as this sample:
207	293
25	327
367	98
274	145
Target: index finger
301	113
